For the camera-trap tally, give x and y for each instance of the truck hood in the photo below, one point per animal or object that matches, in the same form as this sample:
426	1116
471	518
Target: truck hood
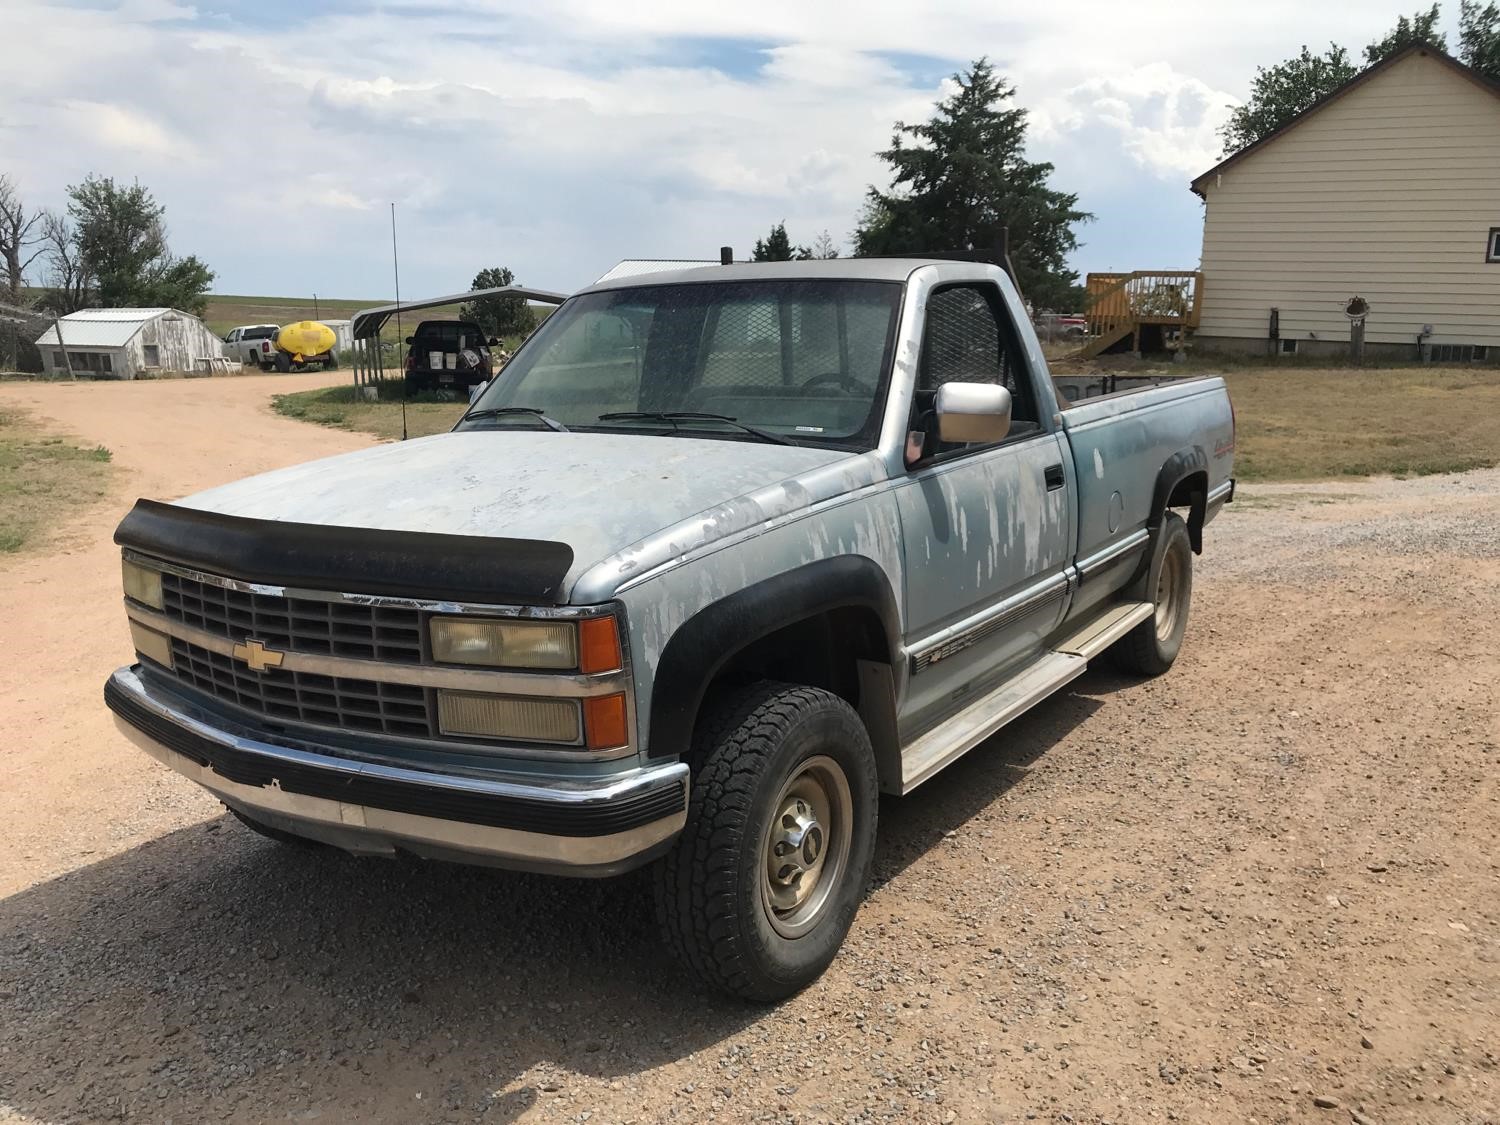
623	502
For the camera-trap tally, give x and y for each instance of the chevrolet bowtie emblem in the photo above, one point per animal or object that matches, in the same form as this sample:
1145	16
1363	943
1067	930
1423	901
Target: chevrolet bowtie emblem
257	655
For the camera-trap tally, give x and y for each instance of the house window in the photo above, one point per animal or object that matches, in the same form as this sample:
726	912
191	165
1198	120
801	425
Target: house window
105	365
1288	347
1492	247
59	360
151	355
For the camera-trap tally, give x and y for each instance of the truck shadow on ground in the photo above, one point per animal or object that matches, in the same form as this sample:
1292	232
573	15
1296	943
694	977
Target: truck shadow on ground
209	974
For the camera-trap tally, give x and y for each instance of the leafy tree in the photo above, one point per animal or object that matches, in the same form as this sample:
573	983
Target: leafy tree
777	247
823	247
498	316
1278	93
964	179
1421	28
1479	37
121	239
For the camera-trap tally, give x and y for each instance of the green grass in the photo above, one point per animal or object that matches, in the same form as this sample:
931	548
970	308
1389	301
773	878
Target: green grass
42	479
346	409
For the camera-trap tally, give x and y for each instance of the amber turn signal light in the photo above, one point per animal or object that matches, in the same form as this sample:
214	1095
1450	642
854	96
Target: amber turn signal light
598	645
604	721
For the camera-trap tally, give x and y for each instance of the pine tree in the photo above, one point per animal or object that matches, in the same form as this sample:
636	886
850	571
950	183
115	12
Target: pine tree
777	247
964	179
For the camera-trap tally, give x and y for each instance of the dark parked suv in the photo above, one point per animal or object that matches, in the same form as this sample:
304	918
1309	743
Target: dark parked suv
448	353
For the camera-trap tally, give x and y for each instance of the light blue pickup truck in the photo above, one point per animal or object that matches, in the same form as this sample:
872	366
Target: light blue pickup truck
720	556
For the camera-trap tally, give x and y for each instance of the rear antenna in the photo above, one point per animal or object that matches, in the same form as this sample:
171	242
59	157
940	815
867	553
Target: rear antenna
400	336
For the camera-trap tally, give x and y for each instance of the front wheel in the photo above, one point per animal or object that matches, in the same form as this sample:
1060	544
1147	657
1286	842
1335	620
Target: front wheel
762	886
1151	647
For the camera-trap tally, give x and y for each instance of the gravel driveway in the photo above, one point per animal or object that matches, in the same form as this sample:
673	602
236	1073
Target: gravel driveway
1261	884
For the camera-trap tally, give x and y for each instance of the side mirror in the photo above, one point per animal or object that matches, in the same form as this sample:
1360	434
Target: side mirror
411	339
972	412
476	390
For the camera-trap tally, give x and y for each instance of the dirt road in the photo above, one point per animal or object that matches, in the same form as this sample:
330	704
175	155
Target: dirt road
1266	880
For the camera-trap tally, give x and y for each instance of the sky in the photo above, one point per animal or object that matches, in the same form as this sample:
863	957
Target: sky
557	137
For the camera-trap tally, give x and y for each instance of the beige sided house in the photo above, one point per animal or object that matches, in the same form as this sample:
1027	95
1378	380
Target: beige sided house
1387	189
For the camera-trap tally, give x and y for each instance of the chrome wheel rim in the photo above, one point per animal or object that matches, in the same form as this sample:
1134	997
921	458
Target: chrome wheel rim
806	847
1168	598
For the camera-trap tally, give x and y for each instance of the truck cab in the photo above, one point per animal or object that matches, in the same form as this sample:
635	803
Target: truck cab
718	557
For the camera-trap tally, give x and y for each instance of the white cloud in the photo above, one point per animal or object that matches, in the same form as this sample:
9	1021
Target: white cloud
1166	121
119	127
557	137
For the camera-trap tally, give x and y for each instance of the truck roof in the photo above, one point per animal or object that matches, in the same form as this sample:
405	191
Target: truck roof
832	269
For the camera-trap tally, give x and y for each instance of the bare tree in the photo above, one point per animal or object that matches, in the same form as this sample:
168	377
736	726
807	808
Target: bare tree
19	233
69	279
20	245
823	247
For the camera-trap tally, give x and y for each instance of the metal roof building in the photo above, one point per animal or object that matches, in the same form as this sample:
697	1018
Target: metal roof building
123	343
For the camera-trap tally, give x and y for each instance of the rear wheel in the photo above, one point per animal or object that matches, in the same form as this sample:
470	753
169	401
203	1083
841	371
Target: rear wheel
283	362
765	880
1151	647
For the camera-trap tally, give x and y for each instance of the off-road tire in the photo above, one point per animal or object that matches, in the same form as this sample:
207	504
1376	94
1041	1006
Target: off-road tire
287	838
749	745
1151	647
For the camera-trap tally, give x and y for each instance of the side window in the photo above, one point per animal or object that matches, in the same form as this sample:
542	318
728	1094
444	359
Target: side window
968	340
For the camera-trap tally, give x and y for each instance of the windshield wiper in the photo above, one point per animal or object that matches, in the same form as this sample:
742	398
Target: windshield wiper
675	416
502	411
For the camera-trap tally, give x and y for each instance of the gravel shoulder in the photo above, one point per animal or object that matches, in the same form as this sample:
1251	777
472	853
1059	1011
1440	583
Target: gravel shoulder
1194	898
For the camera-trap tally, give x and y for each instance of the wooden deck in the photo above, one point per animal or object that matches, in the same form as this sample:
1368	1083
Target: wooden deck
1120	305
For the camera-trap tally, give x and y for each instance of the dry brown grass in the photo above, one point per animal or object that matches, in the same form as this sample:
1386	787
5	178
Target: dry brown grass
1293	424
42	478
1315	424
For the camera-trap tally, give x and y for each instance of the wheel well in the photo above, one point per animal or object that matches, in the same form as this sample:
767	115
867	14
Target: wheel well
1191	492
844	651
819	651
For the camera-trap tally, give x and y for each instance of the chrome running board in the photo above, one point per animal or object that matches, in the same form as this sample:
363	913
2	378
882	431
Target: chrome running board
958	735
1106	629
971	726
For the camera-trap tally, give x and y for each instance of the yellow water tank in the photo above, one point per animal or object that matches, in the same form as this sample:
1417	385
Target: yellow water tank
305	339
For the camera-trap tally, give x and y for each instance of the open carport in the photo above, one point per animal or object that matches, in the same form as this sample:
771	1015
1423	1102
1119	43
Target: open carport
368	362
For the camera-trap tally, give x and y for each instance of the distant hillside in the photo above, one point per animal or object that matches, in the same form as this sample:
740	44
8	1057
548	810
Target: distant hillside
226	311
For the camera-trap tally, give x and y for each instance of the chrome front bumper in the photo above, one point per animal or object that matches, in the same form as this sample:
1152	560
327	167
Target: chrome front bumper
597	826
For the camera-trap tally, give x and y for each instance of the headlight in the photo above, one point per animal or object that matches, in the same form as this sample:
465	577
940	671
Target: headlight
508	717
142	584
505	644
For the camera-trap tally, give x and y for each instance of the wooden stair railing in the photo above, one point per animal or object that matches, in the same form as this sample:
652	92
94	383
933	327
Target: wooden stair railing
1119	304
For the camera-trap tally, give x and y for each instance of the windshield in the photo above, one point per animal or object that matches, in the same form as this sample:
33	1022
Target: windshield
805	361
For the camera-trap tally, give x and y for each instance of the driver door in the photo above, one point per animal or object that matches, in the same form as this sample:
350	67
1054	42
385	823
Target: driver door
987	528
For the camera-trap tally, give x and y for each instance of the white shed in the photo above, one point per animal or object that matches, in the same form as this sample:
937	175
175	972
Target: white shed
343	333
123	343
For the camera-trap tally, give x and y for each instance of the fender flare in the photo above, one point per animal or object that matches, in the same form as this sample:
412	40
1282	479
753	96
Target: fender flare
1177	468
700	648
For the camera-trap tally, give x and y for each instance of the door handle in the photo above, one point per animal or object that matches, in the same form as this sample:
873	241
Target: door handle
1054	477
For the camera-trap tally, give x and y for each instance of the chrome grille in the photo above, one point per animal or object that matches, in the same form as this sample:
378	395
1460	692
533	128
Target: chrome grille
326	628
303	697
